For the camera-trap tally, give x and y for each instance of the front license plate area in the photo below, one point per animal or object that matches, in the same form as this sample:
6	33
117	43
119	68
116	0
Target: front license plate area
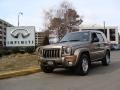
50	63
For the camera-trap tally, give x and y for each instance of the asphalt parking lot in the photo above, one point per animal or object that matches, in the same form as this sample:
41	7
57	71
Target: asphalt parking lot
99	78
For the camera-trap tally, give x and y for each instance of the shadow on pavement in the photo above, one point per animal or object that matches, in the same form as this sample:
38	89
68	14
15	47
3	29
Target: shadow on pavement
96	69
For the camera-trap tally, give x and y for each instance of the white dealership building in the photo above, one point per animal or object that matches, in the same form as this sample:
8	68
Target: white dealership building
23	36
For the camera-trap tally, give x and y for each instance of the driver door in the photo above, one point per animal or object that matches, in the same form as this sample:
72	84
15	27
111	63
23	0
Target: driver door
95	46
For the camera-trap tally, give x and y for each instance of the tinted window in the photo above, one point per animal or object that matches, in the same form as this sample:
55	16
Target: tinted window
94	35
99	35
78	36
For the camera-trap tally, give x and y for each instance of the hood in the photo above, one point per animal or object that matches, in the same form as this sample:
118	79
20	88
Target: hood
67	44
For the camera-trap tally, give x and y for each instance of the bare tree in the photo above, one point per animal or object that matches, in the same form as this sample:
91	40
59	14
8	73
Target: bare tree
48	15
64	19
64	6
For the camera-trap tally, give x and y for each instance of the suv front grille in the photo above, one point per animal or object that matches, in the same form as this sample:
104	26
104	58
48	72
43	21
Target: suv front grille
51	53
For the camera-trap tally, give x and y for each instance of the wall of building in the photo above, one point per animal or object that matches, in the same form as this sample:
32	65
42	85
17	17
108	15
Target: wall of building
39	37
3	26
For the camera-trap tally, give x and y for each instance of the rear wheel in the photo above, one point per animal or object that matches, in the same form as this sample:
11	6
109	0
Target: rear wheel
82	67
106	60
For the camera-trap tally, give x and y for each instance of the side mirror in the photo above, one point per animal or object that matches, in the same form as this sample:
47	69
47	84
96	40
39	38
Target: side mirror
95	40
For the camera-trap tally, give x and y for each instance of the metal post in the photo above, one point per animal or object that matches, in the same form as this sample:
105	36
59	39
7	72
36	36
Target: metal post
104	26
20	13
18	20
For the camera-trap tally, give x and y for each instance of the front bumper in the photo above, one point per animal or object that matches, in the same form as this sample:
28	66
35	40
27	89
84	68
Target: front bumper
67	61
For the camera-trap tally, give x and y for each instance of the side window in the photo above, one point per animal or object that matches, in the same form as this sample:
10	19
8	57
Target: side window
85	36
94	36
101	39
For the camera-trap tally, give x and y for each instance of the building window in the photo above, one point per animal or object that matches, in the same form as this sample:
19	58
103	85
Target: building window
8	42
112	34
29	41
0	22
4	43
5	24
0	42
15	42
0	32
22	42
11	42
18	42
25	42
0	37
0	27
32	42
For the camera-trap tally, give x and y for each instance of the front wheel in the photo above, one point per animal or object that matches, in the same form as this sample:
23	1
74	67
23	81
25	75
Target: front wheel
106	60
82	67
47	69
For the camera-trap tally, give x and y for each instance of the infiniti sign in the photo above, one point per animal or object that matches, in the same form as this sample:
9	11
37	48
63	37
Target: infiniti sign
17	32
20	36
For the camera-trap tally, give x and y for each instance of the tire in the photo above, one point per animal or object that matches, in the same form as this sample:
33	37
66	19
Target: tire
83	65
47	69
106	60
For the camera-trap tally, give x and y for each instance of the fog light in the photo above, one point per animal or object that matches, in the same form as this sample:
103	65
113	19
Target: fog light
70	58
70	63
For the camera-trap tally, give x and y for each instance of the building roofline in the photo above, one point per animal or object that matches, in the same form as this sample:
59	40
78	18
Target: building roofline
6	22
97	25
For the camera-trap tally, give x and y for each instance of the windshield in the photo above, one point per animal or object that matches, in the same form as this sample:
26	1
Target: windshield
77	36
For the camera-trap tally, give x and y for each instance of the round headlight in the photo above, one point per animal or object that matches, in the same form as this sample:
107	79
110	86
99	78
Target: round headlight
66	50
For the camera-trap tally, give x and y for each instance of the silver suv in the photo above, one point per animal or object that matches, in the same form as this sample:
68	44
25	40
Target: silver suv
76	51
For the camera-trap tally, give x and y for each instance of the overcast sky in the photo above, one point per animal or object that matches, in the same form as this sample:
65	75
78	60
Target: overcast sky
93	11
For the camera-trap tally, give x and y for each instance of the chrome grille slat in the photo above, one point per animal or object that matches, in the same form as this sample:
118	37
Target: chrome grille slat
48	53
51	53
55	53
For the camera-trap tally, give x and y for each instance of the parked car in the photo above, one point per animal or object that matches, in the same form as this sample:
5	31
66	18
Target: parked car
76	51
115	46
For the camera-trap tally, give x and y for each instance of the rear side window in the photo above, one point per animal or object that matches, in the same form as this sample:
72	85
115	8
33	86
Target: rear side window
101	39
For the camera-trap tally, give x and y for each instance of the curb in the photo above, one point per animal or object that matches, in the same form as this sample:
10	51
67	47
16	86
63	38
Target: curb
22	72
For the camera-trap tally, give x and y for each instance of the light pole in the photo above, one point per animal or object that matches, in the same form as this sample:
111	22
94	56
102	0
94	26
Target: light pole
104	25
20	13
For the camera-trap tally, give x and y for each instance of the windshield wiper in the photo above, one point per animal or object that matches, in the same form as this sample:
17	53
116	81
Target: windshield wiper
63	41
74	40
69	41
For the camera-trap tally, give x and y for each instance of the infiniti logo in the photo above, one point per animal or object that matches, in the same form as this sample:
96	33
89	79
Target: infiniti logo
17	32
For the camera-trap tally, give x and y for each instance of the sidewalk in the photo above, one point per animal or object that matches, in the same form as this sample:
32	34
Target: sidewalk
22	72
